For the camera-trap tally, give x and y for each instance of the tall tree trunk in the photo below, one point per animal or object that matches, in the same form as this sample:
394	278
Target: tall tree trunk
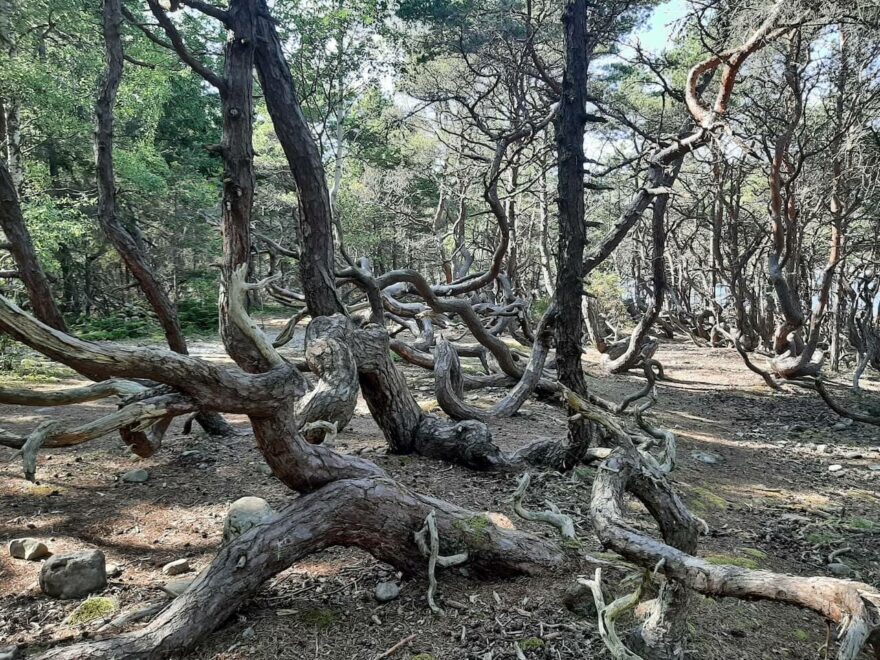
512	220
546	257
13	144
316	214
118	235
569	127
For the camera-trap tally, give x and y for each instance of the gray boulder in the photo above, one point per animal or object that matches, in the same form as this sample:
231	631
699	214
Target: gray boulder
11	653
74	575
176	587
243	514
839	569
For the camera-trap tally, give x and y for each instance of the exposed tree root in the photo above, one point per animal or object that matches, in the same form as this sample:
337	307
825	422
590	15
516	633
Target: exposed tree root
851	605
607	616
374	514
428	541
553	516
818	385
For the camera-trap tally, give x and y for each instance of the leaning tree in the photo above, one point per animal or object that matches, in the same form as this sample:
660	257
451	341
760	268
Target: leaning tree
349	501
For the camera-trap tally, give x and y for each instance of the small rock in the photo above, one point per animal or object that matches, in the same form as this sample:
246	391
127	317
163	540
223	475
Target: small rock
30	549
386	591
264	469
11	653
74	575
706	457
243	514
177	567
839	569
137	476
841	426
797	428
177	587
821	448
191	453
114	570
835	468
853	455
875	467
248	633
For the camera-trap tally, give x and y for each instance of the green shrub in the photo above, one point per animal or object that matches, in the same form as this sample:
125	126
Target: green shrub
197	316
115	327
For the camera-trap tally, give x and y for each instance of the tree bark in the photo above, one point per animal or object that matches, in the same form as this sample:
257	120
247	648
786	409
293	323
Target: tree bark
569	125
316	213
22	248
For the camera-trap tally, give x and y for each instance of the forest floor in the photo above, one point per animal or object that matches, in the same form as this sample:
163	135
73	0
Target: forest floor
770	501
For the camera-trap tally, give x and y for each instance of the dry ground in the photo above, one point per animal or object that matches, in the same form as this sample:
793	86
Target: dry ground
770	501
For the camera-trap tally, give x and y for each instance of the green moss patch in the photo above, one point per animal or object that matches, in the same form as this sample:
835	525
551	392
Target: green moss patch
531	644
473	525
321	618
862	525
91	609
704	500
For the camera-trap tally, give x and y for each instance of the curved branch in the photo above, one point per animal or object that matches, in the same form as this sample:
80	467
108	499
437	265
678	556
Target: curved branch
141	415
334	397
448	383
93	392
553	517
212	386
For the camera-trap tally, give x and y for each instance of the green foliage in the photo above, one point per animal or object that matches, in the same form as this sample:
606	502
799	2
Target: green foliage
531	644
197	316
606	287
115	327
320	618
704	500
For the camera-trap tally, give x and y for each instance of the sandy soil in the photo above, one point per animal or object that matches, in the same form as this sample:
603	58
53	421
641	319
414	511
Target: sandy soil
770	501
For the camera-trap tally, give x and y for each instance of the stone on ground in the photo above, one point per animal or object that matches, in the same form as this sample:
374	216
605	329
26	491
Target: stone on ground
177	567
137	476
243	514
386	591
74	575
177	587
706	457
30	549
